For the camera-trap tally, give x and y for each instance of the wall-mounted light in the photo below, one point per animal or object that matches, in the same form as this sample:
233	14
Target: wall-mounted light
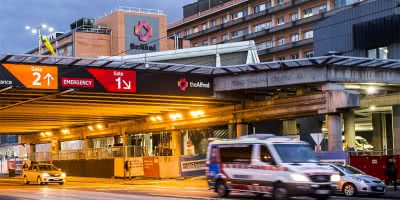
372	90
373	107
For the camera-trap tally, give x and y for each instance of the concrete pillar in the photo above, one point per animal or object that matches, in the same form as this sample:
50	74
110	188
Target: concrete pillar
349	129
335	142
231	131
176	143
242	129
289	127
54	150
377	126
87	143
396	127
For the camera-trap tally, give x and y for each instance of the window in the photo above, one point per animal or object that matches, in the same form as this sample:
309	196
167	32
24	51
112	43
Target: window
236	154
30	167
204	26
179	34
239	33
309	34
69	51
294	37
213	23
224	37
296	153
379	53
281	58
195	29
280	1
294	56
205	43
196	44
308	12
265	155
263	26
187	32
214	40
280	20
239	14
281	40
259	8
60	52
225	19
309	54
294	17
264	45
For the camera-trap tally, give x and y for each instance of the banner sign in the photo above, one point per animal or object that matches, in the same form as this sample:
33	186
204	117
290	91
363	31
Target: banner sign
104	80
193	166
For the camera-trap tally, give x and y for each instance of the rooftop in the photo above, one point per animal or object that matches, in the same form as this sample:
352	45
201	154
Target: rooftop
133	9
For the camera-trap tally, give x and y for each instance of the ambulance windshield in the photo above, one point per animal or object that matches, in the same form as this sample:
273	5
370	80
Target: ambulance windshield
296	153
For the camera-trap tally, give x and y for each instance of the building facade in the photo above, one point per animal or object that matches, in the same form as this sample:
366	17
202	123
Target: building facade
122	31
282	29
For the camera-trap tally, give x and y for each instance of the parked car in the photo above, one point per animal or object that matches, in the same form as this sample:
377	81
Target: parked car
353	181
44	174
264	164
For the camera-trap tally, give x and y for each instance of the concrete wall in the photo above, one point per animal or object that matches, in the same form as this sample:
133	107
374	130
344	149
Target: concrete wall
87	168
335	33
92	44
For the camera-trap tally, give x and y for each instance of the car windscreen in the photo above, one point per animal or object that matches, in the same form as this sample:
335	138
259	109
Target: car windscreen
349	169
296	153
47	168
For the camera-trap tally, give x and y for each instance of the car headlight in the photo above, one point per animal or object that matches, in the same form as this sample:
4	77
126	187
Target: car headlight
299	178
45	175
335	178
362	180
63	175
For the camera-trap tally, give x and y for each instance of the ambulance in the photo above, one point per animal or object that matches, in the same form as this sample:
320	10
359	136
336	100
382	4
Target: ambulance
266	164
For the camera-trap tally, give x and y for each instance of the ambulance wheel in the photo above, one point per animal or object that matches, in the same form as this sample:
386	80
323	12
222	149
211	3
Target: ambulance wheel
280	192
222	188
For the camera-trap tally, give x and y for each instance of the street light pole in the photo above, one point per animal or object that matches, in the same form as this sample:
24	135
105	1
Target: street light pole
39	31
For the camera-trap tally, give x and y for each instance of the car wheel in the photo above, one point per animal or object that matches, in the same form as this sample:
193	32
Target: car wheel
62	183
280	192
349	189
26	182
39	181
221	188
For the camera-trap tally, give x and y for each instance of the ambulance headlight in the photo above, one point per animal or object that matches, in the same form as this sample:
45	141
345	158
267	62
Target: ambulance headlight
299	178
335	178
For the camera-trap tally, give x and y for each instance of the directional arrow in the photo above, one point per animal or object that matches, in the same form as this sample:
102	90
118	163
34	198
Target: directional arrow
127	85
49	77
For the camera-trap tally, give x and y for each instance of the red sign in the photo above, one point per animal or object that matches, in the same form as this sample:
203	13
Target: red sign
116	80
77	82
144	37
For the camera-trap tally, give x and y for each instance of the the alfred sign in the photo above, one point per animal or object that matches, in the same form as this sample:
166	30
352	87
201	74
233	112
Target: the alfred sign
141	34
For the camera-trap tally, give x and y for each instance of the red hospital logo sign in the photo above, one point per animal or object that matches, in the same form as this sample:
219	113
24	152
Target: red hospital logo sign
183	84
144	37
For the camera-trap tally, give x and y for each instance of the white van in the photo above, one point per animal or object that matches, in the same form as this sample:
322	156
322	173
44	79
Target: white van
266	164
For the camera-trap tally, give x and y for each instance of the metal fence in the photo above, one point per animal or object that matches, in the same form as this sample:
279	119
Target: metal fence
95	153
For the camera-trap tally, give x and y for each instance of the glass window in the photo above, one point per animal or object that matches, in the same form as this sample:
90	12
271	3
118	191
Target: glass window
47	168
236	154
281	58
60	52
296	153
204	26
294	16
309	54
349	169
225	19
205	42
294	56
280	20
378	53
264	45
259	8
224	37
69	50
294	37
195	29
260	27
187	32
281	40
280	1
309	34
214	23
179	34
239	14
239	33
265	155
214	40
196	44
308	12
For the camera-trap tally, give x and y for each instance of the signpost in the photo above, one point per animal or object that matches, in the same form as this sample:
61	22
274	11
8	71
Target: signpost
35	76
317	137
115	80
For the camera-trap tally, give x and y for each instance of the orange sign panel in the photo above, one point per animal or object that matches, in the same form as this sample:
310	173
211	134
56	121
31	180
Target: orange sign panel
35	76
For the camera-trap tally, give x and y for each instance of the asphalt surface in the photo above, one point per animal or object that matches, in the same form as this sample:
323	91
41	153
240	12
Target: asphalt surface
92	189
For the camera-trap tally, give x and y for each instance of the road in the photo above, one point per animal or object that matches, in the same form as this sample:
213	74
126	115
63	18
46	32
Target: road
14	189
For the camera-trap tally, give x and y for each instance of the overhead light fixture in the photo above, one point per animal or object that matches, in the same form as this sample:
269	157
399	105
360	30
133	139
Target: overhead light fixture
100	126
197	113
153	119
65	131
44	25
178	115
49	133
91	128
42	134
27	27
159	118
373	107
34	31
371	90
51	29
172	116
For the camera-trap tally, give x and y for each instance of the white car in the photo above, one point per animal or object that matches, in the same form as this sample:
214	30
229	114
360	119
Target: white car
353	181
44	174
